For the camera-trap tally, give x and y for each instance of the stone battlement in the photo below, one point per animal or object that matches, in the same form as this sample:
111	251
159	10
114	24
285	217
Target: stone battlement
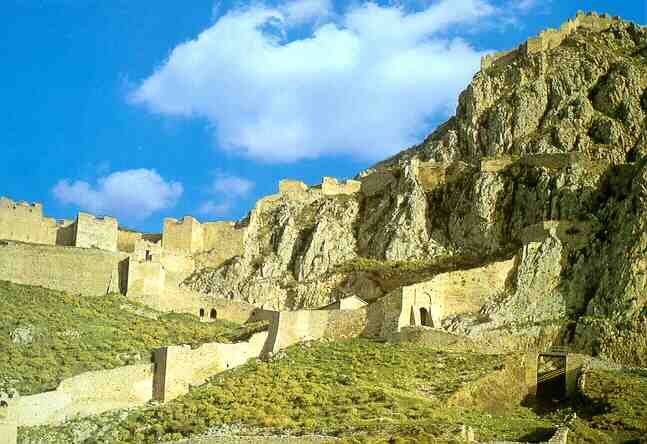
331	186
552	38
7	203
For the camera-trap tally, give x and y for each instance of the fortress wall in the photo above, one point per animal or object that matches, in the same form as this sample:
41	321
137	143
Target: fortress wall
87	394
147	251
94	232
90	272
178	367
494	165
552	38
291	186
65	232
126	240
145	278
24	222
185	236
447	294
332	187
223	240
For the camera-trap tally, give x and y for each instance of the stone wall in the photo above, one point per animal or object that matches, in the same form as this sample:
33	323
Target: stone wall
222	241
178	367
8	425
457	292
291	327
24	222
126	240
95	232
552	38
332	187
291	186
145	278
87	394
184	236
87	271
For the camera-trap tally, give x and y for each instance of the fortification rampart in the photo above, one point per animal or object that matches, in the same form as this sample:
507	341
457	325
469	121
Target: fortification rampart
185	236
24	222
96	232
222	241
86	271
175	368
145	278
126	240
428	303
552	38
332	187
87	394
178	367
550	161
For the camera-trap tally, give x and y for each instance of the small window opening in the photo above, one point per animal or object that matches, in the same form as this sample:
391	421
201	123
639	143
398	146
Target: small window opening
202	312
149	256
213	314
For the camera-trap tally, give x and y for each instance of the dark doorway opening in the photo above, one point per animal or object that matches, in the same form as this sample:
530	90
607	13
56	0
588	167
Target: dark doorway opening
424	317
213	314
202	312
551	377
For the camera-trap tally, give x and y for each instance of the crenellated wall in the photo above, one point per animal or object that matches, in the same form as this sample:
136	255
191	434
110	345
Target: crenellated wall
185	236
96	232
90	272
24	222
552	38
332	187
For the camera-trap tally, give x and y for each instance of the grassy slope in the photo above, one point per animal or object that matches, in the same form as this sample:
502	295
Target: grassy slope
74	334
361	390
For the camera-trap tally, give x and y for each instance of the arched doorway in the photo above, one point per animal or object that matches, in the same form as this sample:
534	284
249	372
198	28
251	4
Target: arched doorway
424	317
213	314
202	312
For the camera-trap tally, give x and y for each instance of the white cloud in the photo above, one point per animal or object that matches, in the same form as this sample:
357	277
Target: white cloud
213	208
227	189
130	194
304	11
365	83
232	185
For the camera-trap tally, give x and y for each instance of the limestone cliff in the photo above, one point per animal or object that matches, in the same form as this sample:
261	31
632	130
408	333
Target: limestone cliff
545	155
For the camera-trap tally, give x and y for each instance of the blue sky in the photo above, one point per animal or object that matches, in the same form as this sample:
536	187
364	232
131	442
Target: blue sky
149	109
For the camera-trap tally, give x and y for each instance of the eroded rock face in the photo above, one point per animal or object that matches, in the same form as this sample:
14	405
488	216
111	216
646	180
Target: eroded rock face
557	136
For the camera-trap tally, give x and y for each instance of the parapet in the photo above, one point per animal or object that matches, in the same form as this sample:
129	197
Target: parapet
96	232
22	206
291	186
552	38
184	235
331	186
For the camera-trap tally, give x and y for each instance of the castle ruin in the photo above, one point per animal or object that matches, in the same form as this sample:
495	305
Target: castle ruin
552	38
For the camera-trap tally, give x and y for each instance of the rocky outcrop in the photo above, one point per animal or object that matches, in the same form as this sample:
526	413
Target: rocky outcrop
544	154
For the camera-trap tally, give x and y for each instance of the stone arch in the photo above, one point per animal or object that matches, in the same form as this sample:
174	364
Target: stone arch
213	314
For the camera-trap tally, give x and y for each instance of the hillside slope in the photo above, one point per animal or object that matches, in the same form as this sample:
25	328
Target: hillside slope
47	336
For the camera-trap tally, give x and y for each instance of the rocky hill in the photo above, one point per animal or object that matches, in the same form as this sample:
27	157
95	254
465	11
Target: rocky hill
545	160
